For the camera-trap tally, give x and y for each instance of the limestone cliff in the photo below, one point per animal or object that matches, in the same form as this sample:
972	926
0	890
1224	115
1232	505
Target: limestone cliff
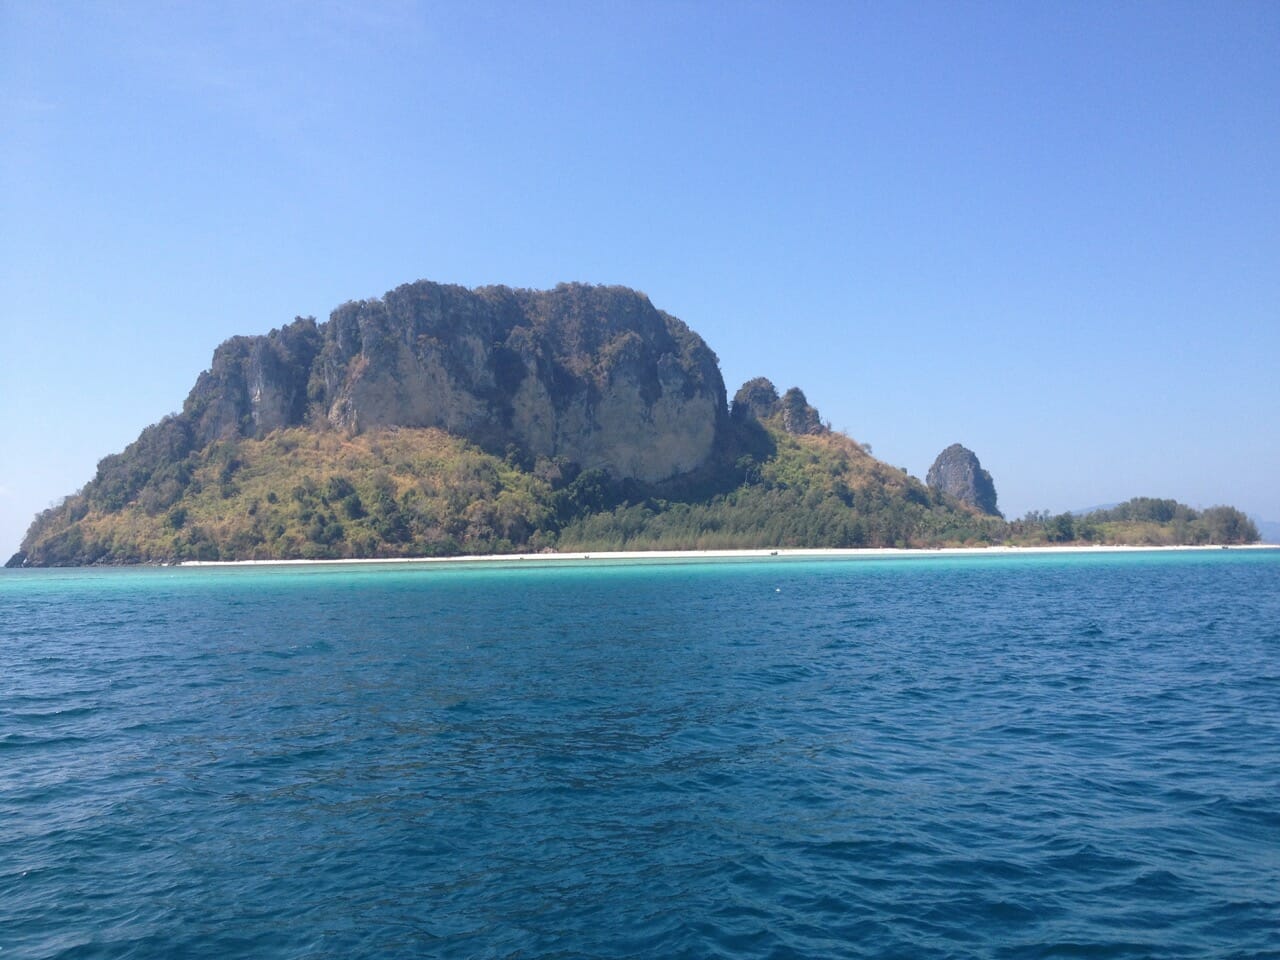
594	375
758	399
958	473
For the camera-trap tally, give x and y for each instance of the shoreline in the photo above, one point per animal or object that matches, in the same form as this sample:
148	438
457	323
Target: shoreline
781	553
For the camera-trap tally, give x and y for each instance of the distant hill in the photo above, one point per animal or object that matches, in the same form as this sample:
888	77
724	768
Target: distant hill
440	420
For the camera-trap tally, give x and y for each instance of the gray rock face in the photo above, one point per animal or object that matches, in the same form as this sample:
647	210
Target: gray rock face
758	399
256	384
797	416
957	472
595	375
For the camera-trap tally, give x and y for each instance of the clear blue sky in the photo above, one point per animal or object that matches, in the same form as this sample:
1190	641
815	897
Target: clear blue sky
1050	231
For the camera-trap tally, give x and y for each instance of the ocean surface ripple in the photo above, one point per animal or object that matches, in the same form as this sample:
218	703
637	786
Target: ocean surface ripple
1041	756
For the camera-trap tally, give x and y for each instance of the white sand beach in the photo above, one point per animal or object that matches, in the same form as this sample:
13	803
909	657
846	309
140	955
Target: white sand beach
765	554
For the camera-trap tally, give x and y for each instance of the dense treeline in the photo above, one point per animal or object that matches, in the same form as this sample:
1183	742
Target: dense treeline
307	494
1142	521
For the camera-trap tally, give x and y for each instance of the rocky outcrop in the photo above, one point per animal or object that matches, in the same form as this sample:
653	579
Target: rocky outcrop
255	384
594	375
958	473
758	399
798	417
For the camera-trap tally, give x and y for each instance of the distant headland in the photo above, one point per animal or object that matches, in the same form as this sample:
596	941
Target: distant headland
442	421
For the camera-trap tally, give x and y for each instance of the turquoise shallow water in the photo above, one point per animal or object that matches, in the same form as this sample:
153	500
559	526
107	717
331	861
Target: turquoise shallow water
1040	756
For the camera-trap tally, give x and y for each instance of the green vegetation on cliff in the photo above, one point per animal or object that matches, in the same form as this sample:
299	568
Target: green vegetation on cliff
307	494
300	493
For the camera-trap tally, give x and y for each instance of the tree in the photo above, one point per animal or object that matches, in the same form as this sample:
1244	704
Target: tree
1228	525
1060	529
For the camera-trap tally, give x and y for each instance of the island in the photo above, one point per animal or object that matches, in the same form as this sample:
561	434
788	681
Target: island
444	421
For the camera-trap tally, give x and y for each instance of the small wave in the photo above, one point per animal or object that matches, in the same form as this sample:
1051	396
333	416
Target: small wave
18	741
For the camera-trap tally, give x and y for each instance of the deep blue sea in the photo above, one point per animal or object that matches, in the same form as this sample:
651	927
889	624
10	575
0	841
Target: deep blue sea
985	756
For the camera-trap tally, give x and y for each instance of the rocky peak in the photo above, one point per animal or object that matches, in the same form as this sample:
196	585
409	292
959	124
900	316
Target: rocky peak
758	399
798	417
958	473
